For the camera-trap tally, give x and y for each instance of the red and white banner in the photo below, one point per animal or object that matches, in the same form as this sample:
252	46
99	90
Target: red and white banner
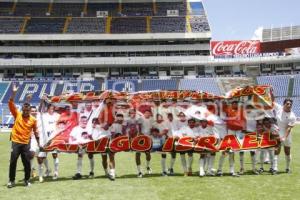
232	48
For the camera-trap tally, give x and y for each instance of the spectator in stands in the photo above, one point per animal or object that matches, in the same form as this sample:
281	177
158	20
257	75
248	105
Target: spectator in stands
22	129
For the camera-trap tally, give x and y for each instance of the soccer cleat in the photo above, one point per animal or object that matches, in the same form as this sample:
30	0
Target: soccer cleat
261	170
210	173
288	171
241	172
47	173
55	176
219	173
27	183
271	170
140	175
77	176
164	174
201	173
274	172
111	177
41	179
234	174
11	184
91	175
171	171
255	172
149	170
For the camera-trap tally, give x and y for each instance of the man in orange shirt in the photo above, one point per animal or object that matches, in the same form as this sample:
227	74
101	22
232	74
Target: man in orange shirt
23	127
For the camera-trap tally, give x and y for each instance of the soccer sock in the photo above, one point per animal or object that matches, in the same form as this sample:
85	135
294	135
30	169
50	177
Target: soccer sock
92	164
211	162
112	172
40	166
139	168
201	164
231	162
288	159
221	162
56	163
79	165
147	163
172	162
46	163
31	164
242	155
183	162
267	159
163	164
271	154
261	158
276	162
253	162
190	163
206	162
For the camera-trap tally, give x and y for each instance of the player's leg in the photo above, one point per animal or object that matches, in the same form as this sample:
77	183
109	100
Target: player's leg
201	164
253	162
271	153
41	157
172	162
288	158
112	166
138	164
190	163
211	162
231	165
56	165
183	163
148	159
221	163
25	155
242	166
79	166
276	158
92	164
14	155
163	164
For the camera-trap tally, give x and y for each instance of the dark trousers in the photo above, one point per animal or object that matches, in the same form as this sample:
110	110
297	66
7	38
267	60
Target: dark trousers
17	150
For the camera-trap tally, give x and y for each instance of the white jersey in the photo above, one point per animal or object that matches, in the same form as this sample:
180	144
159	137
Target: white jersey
251	118
181	124
47	126
207	131
172	126
80	135
147	125
187	132
284	120
116	128
98	132
161	126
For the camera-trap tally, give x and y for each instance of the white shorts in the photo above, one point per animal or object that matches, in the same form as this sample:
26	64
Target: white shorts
44	154
288	140
34	145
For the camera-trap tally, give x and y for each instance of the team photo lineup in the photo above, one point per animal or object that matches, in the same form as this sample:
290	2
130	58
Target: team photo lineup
149	99
56	123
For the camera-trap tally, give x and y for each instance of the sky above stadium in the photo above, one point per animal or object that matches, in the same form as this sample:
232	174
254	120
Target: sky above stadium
240	19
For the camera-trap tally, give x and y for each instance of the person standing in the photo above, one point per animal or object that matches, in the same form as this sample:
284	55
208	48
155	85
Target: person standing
23	127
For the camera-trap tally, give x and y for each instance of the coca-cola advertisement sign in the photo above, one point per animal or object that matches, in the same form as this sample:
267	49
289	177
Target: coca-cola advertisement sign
232	48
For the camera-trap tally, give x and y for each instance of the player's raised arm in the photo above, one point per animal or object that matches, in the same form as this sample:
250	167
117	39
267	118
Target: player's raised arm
12	107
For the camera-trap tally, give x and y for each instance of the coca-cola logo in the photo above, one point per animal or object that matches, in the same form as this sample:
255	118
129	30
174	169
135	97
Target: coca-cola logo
229	48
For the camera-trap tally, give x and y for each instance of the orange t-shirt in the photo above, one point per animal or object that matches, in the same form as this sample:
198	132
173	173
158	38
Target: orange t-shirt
23	127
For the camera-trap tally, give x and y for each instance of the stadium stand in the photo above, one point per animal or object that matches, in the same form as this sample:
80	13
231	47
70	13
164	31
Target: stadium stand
204	84
6	8
137	9
199	24
163	7
168	24
28	9
122	85
10	25
159	85
45	25
67	9
280	84
87	25
296	90
93	8
128	25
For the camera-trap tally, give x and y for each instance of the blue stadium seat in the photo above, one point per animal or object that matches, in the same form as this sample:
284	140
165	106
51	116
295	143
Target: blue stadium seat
11	25
159	85
296	90
45	25
280	84
87	25
203	84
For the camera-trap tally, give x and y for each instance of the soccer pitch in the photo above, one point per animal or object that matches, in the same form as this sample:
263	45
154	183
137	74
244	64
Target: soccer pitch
128	186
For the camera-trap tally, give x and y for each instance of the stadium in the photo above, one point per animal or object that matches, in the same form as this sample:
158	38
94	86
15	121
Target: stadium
67	46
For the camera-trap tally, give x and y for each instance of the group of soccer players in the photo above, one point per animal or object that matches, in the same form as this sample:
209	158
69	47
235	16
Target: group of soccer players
160	120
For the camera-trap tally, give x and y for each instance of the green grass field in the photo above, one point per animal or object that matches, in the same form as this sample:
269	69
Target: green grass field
152	187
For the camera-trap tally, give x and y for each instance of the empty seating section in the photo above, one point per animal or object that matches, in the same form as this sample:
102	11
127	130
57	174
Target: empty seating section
196	8
128	25
199	24
296	91
280	84
28	9
159	85
163	7
111	8
11	25
137	9
168	24
67	9
86	25
204	84
3	89
45	25
6	8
